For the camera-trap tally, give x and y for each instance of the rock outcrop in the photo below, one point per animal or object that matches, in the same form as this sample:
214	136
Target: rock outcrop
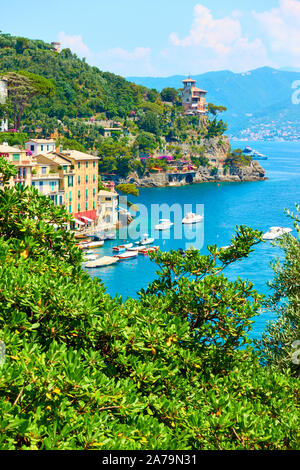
216	150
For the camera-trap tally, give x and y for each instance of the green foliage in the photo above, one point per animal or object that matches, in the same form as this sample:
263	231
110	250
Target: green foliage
145	142
87	371
216	128
155	163
22	87
70	144
14	138
81	90
128	189
7	170
149	122
236	158
169	94
278	346
214	110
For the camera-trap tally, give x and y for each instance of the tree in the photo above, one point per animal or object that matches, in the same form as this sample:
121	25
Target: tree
215	128
149	122
145	142
280	343
169	94
22	87
214	110
128	188
7	171
164	371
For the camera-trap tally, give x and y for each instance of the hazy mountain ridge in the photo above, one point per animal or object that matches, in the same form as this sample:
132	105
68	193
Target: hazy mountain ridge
260	96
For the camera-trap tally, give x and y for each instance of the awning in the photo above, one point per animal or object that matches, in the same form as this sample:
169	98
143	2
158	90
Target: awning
87	219
78	222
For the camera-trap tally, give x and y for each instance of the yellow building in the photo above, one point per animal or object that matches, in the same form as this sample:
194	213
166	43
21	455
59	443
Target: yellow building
81	185
21	160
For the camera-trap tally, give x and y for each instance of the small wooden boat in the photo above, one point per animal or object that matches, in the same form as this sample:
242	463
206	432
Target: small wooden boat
103	261
127	255
123	247
86	246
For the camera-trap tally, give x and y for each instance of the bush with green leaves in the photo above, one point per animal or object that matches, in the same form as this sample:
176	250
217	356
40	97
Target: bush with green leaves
165	371
280	344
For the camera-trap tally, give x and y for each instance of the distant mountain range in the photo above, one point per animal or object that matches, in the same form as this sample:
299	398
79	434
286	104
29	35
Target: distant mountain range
257	101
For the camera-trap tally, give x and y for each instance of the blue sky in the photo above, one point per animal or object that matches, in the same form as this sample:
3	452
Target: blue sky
164	37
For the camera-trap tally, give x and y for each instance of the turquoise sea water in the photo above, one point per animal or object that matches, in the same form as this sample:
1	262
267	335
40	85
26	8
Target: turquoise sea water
256	204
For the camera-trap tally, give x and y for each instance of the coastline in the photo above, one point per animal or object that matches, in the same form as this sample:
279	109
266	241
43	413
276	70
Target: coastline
253	172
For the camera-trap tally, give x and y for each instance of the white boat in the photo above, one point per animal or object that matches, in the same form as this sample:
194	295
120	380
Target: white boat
254	154
145	240
191	218
92	257
123	247
127	255
137	248
276	232
86	246
101	262
164	224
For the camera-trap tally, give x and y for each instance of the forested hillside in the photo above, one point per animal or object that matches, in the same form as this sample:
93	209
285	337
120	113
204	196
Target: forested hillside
81	90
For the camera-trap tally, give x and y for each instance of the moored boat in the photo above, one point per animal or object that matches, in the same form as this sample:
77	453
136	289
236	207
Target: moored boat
127	255
192	218
103	261
90	257
276	232
137	248
86	246
148	249
164	224
122	247
145	240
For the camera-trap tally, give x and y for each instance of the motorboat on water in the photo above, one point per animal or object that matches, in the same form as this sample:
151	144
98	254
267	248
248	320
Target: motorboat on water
164	224
254	154
145	240
276	232
125	247
192	218
148	249
137	248
127	255
103	261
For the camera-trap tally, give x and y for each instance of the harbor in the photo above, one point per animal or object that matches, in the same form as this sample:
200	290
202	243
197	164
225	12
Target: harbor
254	204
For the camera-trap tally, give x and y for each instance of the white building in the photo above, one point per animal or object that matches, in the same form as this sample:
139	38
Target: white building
48	179
107	213
3	97
40	146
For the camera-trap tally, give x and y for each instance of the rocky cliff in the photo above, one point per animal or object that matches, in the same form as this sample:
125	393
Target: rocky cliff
218	170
